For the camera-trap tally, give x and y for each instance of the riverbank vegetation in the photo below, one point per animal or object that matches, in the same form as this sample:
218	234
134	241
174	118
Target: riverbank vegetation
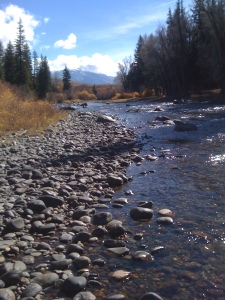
183	57
25	115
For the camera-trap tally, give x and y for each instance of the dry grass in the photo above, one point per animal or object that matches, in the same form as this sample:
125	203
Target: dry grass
32	116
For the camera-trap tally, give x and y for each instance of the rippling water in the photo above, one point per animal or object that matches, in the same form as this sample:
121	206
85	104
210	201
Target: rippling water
191	182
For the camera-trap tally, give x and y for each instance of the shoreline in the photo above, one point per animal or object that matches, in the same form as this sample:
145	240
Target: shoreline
52	187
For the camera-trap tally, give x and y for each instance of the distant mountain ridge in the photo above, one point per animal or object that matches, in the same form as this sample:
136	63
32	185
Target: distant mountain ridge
88	77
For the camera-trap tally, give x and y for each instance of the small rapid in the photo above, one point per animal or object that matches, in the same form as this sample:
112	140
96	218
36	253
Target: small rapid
188	177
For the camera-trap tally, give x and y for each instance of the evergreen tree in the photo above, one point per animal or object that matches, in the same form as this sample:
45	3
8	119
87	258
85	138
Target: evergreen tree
94	91
35	69
66	79
135	77
43	78
1	61
27	66
8	63
19	76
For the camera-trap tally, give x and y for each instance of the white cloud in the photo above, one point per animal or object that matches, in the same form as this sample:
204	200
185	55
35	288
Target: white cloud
70	43
97	63
9	24
46	20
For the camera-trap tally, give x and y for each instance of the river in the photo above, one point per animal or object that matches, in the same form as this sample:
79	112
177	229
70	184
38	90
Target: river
189	179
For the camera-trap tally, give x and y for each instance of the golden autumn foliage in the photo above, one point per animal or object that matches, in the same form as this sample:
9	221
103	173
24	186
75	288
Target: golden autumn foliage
84	95
32	116
126	95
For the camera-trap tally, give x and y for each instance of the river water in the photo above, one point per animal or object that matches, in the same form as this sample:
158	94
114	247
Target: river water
190	181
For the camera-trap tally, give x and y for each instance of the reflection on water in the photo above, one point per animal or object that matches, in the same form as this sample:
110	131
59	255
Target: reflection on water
217	158
188	179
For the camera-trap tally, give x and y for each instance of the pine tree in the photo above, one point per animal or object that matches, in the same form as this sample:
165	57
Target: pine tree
1	61
135	77
19	76
8	63
35	69
43	78
27	66
66	79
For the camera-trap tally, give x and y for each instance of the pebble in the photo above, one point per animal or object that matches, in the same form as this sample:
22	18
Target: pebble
120	275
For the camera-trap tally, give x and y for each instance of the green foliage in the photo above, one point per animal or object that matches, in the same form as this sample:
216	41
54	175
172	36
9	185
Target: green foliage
43	78
17	66
185	54
8	63
66	79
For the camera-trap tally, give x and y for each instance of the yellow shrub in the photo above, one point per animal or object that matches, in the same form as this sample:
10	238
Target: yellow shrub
84	95
32	116
117	96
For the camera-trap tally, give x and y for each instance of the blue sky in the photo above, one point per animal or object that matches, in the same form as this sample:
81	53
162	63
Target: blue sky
94	35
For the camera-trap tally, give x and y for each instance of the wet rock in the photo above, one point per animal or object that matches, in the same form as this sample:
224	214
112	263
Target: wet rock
115	297
115	228
165	220
114	243
114	180
151	296
98	262
141	213
82	237
120	275
84	296
102	218
81	262
162	118
31	290
148	204
99	231
7	294
142	256
138	236
184	126
157	249
120	201
121	251
165	212
105	119
73	285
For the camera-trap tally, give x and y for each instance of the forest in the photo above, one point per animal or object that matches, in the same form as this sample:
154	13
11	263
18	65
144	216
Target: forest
183	57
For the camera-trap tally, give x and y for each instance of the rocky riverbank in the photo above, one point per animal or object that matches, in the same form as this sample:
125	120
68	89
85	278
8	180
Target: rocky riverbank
54	192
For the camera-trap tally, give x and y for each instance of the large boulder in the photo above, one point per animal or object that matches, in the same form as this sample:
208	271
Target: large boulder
184	126
105	119
141	213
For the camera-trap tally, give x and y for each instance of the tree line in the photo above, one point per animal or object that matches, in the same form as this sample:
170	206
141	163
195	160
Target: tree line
187	54
20	67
